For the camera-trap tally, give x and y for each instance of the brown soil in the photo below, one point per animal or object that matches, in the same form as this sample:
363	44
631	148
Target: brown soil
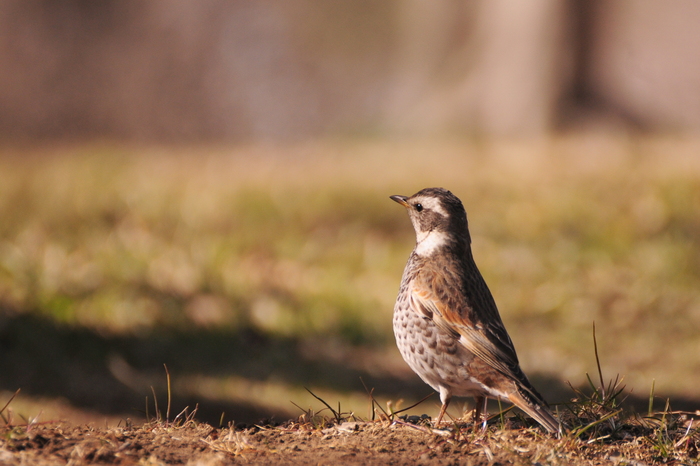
294	443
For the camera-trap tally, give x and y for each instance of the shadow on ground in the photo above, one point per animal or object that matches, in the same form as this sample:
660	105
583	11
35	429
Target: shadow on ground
46	359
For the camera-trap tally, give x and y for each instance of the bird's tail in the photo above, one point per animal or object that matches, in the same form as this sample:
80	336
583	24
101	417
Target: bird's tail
535	407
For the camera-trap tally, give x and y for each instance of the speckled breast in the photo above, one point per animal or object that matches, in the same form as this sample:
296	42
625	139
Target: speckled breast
435	355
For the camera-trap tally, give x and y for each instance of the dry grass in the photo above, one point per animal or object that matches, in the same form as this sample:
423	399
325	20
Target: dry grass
597	433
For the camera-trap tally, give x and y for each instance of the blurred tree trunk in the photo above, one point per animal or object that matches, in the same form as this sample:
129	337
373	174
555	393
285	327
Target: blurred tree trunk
644	62
488	66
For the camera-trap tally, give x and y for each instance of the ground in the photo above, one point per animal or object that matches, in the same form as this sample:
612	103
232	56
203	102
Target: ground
662	438
347	443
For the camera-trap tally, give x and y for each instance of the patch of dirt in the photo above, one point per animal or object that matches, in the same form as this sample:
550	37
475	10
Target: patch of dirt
60	444
395	443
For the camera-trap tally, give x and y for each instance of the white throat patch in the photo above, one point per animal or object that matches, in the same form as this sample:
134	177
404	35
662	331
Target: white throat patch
428	242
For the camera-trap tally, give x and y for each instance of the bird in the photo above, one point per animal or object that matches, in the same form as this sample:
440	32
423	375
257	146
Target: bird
446	323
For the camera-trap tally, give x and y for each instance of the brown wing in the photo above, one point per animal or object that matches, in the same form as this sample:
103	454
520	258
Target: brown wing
464	307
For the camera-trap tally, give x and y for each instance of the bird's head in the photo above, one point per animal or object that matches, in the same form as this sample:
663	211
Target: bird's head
438	217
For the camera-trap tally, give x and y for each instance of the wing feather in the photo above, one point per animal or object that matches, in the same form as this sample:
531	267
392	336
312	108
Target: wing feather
434	294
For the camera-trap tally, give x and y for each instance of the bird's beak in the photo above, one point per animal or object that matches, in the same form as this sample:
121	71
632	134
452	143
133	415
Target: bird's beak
403	200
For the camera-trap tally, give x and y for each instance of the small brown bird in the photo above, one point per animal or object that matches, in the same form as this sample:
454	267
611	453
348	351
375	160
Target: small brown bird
446	323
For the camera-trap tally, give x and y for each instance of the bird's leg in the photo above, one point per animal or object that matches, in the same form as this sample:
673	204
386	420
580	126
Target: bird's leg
443	409
445	398
481	408
485	413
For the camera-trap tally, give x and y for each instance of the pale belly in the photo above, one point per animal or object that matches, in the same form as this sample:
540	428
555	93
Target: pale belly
436	356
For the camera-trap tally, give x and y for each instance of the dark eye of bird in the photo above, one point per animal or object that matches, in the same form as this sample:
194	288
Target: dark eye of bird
419	207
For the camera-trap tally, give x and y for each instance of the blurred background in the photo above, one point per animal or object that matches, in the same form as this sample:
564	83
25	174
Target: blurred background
205	185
